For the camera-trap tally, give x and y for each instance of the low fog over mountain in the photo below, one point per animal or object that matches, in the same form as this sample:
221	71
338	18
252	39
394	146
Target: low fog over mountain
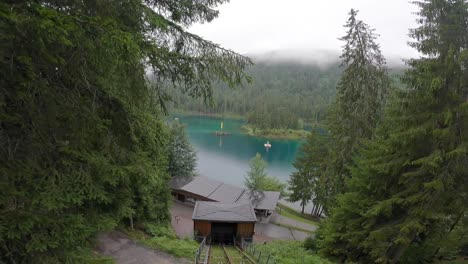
321	58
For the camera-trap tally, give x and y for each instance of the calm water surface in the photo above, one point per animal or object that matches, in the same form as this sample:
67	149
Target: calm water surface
227	158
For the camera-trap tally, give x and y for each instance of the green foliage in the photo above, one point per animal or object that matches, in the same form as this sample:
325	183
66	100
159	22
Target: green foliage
182	156
81	141
279	95
290	252
177	247
273	184
307	182
274	133
406	199
159	230
311	244
293	214
86	255
258	180
163	238
256	175
361	95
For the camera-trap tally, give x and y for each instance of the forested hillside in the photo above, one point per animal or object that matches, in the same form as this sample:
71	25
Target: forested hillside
278	96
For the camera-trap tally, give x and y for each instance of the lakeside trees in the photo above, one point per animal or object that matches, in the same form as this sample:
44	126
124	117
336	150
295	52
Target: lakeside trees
258	180
324	161
361	95
182	157
82	144
307	183
406	198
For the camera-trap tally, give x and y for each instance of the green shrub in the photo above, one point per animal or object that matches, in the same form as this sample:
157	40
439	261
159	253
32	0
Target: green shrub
163	238
177	247
310	244
290	252
160	231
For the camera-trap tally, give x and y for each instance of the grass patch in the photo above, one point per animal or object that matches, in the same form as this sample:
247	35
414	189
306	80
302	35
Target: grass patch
290	252
217	255
274	133
163	238
293	214
86	255
294	227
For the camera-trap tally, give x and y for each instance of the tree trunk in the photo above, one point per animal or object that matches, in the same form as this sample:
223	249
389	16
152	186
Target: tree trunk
450	230
321	211
303	205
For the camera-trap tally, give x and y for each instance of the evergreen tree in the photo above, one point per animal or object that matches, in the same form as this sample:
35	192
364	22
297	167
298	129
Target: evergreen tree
257	179
360	97
256	175
82	146
408	190
182	156
305	184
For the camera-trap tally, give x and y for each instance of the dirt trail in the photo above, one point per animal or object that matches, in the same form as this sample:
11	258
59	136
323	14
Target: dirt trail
126	251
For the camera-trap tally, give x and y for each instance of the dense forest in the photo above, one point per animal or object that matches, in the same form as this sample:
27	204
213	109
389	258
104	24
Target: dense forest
85	148
278	96
391	174
83	142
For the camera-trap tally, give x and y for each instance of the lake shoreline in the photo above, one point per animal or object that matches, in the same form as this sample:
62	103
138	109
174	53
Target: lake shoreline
274	133
227	158
205	114
251	130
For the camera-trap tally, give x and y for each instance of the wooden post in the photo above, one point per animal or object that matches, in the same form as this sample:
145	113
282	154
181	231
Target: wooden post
268	259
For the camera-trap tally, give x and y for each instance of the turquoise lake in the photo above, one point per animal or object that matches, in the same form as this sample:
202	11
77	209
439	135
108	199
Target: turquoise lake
227	158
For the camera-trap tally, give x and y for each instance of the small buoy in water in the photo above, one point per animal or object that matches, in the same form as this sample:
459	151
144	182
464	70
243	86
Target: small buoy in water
267	145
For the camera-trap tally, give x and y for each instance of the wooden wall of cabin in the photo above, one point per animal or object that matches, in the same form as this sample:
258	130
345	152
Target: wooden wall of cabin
245	229
202	228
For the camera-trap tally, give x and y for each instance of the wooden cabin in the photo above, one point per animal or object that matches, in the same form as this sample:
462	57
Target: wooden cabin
224	223
190	190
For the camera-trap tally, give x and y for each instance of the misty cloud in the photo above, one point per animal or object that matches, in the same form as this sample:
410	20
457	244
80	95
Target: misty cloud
307	30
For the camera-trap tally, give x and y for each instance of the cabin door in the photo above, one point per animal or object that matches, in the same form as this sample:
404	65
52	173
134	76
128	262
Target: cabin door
223	233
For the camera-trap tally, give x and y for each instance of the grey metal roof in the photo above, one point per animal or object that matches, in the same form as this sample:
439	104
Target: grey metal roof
226	193
265	200
202	186
178	182
223	212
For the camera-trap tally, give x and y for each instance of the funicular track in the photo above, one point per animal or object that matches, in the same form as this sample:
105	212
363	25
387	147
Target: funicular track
223	254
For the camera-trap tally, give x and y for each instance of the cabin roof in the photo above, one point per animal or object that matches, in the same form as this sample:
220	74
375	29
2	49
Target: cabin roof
225	193
202	186
224	212
265	200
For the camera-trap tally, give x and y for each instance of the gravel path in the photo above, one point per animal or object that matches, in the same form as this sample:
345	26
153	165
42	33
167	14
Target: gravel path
126	251
181	219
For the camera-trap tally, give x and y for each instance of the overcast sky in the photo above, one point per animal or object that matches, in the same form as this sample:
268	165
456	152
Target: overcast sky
307	26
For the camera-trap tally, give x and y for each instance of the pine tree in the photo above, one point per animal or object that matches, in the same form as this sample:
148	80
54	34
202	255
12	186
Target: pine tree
182	156
82	144
361	94
306	183
408	190
256	176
